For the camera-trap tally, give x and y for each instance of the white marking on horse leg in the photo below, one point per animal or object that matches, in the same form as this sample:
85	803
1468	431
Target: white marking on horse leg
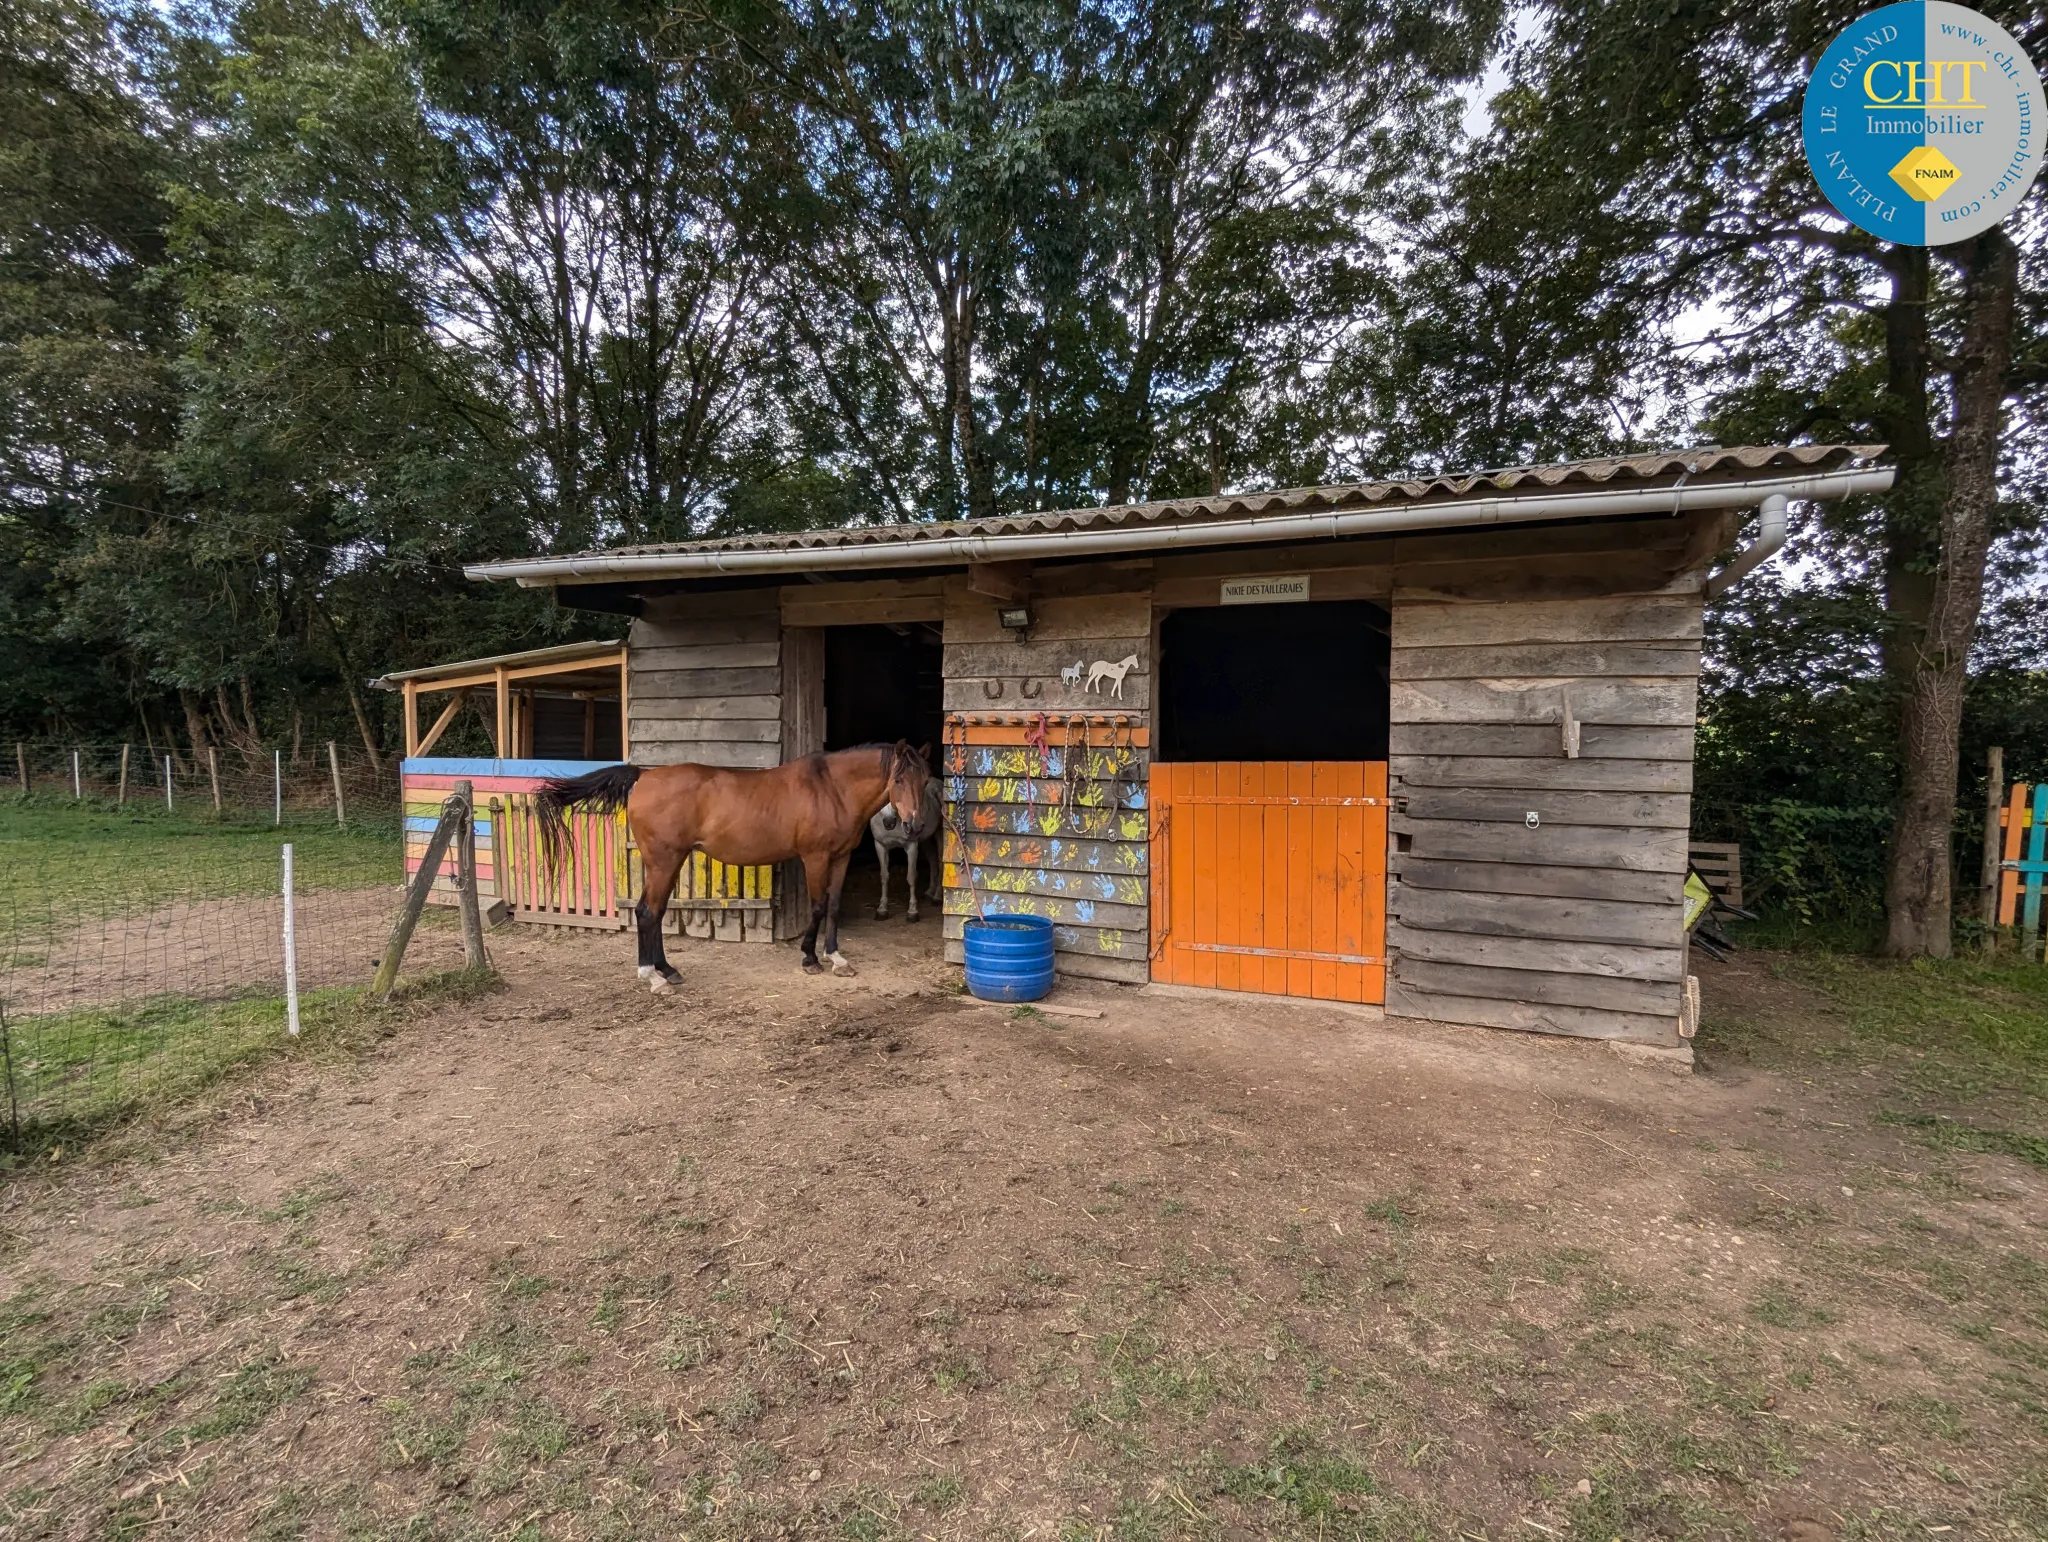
648	971
840	965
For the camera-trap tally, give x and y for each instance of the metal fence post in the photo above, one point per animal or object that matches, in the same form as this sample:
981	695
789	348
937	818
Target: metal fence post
291	952
167	784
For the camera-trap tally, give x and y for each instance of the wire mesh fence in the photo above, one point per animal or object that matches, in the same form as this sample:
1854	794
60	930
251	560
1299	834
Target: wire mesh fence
143	944
223	781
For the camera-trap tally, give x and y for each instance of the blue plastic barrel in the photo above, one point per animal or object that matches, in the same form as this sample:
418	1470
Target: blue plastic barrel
1009	958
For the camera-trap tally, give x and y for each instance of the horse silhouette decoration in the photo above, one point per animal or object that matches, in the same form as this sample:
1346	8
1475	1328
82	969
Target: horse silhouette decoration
1102	670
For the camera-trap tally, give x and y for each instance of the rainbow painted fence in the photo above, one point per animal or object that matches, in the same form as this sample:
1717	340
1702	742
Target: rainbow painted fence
2023	868
599	876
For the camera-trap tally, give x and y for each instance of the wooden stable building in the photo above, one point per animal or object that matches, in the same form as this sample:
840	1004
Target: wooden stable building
1427	744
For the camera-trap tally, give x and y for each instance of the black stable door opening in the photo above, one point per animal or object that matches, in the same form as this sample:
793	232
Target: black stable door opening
884	683
1274	682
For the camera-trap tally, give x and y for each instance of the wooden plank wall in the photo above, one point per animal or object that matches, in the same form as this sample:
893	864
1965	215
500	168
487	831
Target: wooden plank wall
1573	925
1079	855
705	680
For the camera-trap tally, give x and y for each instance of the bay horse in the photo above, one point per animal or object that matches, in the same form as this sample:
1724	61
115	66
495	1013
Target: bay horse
814	809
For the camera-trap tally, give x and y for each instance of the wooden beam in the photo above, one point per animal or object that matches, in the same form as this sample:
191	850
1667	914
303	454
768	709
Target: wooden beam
503	745
412	718
1007	582
441	723
625	712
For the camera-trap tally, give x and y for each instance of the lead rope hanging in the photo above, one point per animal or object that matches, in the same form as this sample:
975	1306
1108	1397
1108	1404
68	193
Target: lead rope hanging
950	806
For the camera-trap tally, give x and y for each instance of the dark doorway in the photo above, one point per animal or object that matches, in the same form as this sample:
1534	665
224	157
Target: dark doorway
571	728
1274	682
884	683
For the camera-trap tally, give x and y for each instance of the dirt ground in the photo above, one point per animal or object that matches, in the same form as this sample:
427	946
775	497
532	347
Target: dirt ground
783	1256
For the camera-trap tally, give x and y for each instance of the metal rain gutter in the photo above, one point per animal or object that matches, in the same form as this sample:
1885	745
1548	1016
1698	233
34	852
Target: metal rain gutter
1604	503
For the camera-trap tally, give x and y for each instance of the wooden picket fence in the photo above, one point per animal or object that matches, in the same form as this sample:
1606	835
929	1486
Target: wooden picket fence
2023	863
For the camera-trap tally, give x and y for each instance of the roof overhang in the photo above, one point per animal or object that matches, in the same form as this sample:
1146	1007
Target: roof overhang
533	664
1343	512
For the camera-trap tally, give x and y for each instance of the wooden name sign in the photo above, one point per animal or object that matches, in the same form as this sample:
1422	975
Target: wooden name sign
1265	591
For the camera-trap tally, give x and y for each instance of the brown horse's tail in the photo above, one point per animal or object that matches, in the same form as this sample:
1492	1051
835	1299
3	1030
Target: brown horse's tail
602	791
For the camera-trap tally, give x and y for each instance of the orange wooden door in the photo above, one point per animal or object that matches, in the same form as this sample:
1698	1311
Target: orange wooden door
1271	876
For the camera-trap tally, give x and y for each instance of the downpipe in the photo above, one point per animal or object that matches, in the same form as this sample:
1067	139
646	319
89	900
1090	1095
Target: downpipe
1770	536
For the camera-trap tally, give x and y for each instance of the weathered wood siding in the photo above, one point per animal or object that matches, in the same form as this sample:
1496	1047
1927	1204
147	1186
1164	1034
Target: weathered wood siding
1055	833
704	680
1573	925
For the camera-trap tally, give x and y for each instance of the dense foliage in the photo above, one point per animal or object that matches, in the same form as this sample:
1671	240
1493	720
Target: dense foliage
304	303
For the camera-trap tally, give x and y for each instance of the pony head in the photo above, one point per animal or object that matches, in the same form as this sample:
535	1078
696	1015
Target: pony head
905	775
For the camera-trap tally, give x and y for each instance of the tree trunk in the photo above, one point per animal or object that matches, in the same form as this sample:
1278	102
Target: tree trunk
1917	888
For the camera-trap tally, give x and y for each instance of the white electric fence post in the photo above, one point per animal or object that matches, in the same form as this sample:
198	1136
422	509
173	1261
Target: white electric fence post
167	784
277	785
291	952
77	788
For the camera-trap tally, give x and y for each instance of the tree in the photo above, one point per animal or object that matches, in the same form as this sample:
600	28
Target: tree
1652	152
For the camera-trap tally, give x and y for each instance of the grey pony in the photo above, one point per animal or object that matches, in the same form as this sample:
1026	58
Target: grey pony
892	832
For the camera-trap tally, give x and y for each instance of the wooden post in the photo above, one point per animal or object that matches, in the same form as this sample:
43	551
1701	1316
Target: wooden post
504	744
21	761
412	718
213	774
473	955
334	766
122	796
1987	872
415	901
625	713
589	730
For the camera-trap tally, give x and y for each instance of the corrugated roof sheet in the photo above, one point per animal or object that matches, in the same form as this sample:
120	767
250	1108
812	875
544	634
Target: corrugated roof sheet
1705	463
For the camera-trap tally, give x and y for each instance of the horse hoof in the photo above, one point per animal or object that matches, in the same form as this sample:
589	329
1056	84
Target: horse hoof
812	966
841	967
913	918
660	986
881	915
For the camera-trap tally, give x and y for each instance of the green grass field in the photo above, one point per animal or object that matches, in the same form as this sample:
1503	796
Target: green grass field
61	860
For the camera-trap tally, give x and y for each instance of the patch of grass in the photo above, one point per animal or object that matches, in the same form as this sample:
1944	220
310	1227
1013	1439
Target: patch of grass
1396	1211
941	1493
248	1397
959	1373
78	1072
1953	1135
1779	1306
740	1407
1312	1484
1970	1018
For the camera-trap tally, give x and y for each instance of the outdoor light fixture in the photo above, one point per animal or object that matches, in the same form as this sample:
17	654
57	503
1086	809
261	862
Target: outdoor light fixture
1016	618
